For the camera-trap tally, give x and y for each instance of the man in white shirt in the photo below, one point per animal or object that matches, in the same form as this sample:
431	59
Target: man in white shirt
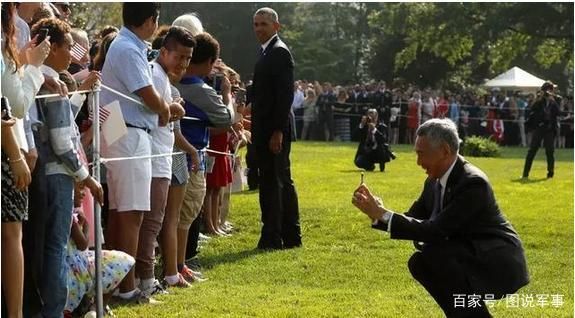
175	55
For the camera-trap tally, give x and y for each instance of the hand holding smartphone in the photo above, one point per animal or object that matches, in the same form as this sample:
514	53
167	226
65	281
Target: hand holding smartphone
42	34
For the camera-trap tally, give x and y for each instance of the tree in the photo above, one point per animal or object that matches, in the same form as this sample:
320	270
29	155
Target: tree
478	40
93	16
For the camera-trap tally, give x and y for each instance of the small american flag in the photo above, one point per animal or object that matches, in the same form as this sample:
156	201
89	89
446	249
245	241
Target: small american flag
104	114
78	51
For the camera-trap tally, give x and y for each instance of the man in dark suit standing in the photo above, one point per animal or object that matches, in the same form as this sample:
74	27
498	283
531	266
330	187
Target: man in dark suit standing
465	245
271	128
543	120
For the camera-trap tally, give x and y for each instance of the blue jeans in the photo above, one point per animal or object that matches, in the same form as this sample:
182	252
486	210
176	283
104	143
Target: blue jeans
54	289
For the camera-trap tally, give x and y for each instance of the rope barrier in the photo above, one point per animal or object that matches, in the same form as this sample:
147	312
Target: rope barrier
342	114
399	105
69	93
105	160
139	102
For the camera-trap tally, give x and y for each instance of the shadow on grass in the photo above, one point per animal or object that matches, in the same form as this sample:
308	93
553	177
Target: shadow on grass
232	257
247	192
528	181
361	170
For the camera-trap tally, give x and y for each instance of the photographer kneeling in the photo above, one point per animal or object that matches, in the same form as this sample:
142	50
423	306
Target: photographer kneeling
373	147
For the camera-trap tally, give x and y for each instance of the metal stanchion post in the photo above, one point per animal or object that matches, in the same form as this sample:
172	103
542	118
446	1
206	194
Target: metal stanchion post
97	208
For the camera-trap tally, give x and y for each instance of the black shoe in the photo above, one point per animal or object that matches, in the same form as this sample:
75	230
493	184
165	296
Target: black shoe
549	175
264	245
290	246
194	264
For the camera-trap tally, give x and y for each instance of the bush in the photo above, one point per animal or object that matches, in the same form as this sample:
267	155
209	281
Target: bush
480	147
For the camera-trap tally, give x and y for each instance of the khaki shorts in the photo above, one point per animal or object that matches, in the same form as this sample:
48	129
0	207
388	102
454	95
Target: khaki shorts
193	199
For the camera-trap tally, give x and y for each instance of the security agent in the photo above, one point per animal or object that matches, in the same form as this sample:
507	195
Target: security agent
542	119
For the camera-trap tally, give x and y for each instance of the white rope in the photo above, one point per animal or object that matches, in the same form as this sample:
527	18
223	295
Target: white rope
191	118
104	160
69	93
123	95
139	102
219	152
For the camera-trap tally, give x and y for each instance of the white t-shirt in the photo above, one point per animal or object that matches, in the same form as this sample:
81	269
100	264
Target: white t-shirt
162	137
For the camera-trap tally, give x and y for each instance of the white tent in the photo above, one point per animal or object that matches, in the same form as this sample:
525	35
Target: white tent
515	78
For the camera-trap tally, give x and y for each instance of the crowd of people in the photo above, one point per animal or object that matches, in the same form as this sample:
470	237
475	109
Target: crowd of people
499	115
176	97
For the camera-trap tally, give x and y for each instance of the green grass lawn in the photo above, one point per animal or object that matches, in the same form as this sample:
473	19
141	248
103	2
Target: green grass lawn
346	269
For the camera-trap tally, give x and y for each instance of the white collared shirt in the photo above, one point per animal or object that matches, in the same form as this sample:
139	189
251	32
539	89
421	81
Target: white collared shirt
443	181
388	215
265	45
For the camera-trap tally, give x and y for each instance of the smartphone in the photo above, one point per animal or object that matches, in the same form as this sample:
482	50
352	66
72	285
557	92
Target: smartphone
153	54
241	96
218	78
6	112
42	34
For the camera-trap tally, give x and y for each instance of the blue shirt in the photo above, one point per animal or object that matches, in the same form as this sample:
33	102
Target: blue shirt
127	70
202	102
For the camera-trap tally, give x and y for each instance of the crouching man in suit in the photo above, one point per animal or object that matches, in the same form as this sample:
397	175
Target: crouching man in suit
373	147
465	245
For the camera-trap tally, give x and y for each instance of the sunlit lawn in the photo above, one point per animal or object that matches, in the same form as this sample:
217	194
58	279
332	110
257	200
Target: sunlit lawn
346	269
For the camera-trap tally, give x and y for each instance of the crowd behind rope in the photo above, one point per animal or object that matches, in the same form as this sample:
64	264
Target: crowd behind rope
175	202
499	115
176	96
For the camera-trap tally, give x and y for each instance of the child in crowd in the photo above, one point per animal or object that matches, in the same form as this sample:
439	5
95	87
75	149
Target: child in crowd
81	262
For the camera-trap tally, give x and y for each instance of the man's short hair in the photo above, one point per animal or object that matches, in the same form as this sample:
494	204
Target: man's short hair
158	37
269	13
178	35
57	29
190	22
207	48
438	130
134	14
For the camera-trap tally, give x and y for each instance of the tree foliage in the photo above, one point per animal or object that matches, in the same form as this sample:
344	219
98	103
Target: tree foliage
479	39
447	44
93	16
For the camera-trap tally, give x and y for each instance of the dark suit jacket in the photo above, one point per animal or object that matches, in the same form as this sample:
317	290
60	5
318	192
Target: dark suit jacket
470	215
273	92
536	115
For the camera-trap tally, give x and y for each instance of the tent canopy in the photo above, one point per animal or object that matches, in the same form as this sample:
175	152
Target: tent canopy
515	78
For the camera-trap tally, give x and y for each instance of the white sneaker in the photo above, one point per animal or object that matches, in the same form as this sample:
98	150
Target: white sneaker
91	314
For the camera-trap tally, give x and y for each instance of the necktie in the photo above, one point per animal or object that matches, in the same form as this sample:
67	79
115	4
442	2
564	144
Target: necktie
436	200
